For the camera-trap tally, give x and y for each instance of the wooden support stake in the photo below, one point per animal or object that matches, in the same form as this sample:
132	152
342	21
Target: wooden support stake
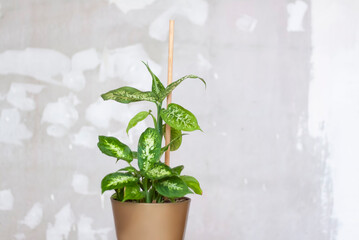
169	81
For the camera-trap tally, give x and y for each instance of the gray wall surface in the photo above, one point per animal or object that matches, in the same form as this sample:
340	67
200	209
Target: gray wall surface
271	160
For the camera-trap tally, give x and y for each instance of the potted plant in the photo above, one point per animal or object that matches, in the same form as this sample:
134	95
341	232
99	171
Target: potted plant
149	202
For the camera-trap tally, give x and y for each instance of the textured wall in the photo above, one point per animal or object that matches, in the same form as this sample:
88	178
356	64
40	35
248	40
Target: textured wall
271	158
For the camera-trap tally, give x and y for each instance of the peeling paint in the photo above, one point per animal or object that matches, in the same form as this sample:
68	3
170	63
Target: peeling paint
62	115
34	217
47	65
125	63
126	6
203	62
11	129
80	62
17	95
86	137
19	236
333	114
296	11
102	198
6	200
1	14
246	23
102	112
194	10
64	220
86	232
38	63
80	184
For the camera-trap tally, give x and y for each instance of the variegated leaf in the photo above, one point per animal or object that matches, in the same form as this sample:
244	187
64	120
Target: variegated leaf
128	169
159	171
149	149
128	95
192	183
172	187
157	86
133	193
112	147
117	180
173	85
179	118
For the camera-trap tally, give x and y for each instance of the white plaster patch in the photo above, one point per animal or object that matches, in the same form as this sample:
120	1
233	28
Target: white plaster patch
125	6
296	13
102	198
246	23
80	184
38	63
75	80
125	63
62	115
6	200
203	62
300	131
333	114
195	10
86	137
17	95
86	232
19	236
102	112
11	129
34	217
64	220
0	11
80	62
85	60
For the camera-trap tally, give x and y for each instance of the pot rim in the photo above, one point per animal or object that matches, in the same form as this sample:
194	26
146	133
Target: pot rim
187	200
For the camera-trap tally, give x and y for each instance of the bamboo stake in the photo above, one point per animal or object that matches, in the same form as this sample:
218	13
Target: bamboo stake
169	81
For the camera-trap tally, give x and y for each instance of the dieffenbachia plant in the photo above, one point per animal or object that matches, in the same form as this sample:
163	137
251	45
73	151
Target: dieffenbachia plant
153	181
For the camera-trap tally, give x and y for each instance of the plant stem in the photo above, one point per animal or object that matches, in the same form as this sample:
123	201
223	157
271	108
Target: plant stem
147	194
118	195
159	121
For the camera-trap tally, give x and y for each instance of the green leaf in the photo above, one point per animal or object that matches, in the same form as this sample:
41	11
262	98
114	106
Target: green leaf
117	180
176	138
133	193
177	170
165	148
128	95
128	169
149	149
192	183
159	171
179	118
112	147
134	155
172	187
173	85
136	119
157	86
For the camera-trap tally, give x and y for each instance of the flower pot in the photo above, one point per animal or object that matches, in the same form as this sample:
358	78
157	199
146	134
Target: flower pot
150	221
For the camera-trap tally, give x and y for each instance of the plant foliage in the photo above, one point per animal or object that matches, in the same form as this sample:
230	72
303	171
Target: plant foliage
153	181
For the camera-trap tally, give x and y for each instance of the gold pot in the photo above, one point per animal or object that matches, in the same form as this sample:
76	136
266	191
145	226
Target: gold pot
150	221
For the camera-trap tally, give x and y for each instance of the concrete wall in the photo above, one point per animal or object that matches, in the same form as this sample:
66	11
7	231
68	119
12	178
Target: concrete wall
277	159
